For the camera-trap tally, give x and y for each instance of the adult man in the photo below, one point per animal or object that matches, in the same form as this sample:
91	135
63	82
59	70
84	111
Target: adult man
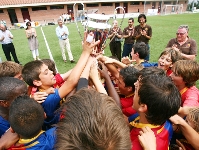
128	33
7	45
115	35
183	43
143	32
62	34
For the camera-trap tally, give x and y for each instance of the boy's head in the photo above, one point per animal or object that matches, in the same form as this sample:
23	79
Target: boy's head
10	69
10	88
92	121
185	72
139	50
51	65
193	118
157	97
36	73
26	117
128	76
168	57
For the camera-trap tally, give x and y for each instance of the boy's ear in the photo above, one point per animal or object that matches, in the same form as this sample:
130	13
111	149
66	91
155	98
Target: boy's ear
11	130
129	88
37	83
142	108
171	66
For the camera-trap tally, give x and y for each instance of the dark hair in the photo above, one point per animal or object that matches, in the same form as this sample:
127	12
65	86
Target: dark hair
161	96
92	121
141	48
148	71
26	117
28	24
9	69
31	71
10	88
131	19
130	76
142	16
51	65
188	70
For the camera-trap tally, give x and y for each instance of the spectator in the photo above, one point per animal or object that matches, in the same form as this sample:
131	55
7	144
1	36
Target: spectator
62	34
183	43
7	45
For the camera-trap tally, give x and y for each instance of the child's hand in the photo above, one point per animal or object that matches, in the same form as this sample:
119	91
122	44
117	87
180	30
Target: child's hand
126	60
147	139
51	90
39	96
8	139
103	71
93	71
176	119
109	60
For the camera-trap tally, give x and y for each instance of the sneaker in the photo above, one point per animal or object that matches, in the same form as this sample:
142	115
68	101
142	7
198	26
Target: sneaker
65	61
72	61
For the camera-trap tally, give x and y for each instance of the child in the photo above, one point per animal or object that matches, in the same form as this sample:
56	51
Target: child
26	119
10	88
167	58
102	128
184	76
10	69
36	73
156	99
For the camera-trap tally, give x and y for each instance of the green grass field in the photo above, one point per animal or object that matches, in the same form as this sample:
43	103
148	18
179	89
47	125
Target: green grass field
164	28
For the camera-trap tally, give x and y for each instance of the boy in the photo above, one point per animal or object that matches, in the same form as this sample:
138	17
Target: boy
36	73
102	128
10	88
156	99
26	119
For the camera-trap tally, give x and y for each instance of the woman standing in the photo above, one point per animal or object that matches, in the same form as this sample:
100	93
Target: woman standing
32	40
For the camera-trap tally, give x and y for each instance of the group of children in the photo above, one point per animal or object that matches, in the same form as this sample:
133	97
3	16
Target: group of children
75	110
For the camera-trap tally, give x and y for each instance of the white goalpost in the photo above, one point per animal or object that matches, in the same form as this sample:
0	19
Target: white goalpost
172	9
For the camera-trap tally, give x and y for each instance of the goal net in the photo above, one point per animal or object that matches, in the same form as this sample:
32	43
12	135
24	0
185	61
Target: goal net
172	9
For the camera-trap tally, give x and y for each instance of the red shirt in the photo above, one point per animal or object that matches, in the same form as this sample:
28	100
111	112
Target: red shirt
190	96
127	104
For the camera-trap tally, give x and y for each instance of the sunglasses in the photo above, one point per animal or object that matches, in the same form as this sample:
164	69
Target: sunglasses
180	33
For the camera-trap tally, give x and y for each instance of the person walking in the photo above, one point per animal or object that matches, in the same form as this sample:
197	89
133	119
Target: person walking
31	35
62	34
7	45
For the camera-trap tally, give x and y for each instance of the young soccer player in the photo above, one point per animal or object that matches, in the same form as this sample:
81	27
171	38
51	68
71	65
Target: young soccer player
156	99
10	88
184	76
36	73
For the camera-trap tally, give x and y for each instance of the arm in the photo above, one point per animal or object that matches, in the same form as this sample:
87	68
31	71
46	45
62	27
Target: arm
28	35
190	134
191	57
8	139
35	32
66	75
2	38
73	78
10	35
116	62
95	78
83	81
111	89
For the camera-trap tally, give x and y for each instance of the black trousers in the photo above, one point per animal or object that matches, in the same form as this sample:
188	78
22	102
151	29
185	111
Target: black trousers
9	48
115	48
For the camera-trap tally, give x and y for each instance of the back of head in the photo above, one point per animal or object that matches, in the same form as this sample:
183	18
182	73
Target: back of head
130	76
161	97
193	116
51	65
26	117
151	71
188	70
141	49
10	88
92	121
31	71
175	55
9	69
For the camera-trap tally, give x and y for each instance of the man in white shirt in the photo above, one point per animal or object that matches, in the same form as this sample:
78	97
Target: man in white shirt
7	45
62	34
